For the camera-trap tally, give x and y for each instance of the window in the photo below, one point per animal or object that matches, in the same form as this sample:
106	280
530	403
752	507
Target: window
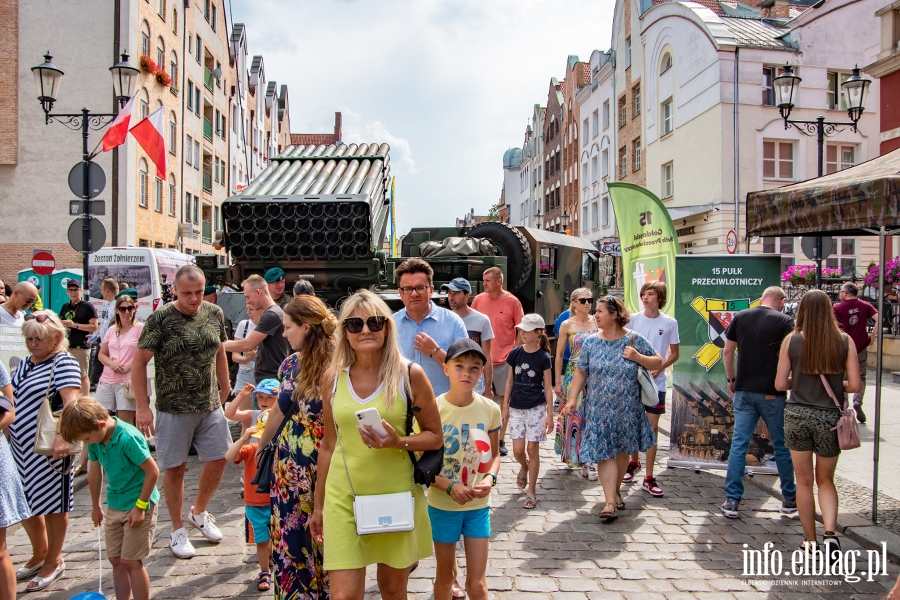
161	53
668	120
668	180
595	124
216	120
622	115
196	209
161	9
197	157
595	218
604	163
835	98
593	169
174	20
206	6
143	243
172	196
212	18
605	210
687	248
142	183
145	103
157	204
584	216
839	157
584	175
778	160
627	52
190	95
189	151
768	87
219	78
666	63
636	94
548	263
848	246
623	162
768	245
173	134
216	169
585	128
186	211
173	69
199	49
606	114
637	154
786	245
145	38
197	105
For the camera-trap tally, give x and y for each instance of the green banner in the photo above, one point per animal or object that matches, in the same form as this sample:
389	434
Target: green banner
711	290
648	239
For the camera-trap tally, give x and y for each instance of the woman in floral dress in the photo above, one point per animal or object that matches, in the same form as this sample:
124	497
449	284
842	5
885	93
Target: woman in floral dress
296	557
615	424
575	329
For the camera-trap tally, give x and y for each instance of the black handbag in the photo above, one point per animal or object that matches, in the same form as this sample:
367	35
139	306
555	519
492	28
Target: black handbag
266	456
429	465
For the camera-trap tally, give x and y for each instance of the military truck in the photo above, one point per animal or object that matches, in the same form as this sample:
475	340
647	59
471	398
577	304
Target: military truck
321	212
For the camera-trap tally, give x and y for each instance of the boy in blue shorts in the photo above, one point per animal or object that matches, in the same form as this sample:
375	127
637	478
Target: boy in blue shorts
131	494
459	501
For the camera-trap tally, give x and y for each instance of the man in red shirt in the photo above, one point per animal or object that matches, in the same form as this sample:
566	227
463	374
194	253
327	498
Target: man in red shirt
853	315
505	312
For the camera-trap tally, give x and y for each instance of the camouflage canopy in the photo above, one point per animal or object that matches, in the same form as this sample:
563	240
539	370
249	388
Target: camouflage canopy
848	202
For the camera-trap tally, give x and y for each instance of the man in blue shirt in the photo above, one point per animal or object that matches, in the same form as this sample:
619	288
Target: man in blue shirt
559	321
424	329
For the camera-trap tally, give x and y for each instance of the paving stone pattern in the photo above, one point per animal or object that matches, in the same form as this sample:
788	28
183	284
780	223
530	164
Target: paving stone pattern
676	547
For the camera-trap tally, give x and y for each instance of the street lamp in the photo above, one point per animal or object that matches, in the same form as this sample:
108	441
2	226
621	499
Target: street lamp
786	86
47	78
564	221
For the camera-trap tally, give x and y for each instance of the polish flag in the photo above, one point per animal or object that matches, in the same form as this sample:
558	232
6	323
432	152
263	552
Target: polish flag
149	134
118	131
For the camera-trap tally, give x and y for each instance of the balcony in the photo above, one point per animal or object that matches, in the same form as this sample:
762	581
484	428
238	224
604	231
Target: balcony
207	129
207	182
207	79
206	228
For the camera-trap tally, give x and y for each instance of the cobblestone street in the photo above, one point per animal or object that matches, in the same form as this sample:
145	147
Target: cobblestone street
676	547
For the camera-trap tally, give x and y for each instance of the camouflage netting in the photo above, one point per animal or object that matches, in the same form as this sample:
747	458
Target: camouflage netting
457	246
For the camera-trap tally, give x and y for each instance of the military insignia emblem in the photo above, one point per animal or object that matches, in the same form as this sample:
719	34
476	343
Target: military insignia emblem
718	315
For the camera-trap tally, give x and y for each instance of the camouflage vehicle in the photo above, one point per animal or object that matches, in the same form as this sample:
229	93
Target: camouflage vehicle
320	213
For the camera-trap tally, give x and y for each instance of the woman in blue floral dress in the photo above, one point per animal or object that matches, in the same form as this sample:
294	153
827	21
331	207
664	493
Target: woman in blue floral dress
615	424
296	557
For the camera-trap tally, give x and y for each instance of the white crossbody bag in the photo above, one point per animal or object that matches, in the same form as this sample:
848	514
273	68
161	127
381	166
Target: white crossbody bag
380	513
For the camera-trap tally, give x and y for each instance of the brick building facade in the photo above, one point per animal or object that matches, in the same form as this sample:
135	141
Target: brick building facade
577	76
553	135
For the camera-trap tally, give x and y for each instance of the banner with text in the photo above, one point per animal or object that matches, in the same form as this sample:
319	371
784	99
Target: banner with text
711	290
648	242
12	347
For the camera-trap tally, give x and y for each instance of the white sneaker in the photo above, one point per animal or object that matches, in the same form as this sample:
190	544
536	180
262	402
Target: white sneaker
206	523
180	544
592	473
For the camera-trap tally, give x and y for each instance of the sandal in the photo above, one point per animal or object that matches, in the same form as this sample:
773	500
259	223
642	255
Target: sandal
457	592
620	504
522	478
530	502
44	582
609	512
23	573
264	581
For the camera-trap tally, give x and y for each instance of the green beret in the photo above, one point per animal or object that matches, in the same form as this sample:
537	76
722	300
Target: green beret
210	289
130	292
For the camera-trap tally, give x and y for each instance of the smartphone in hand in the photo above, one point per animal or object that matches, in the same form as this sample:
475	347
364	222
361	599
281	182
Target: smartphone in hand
370	417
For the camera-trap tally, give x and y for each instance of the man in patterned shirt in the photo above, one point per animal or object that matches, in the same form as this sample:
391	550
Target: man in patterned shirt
185	337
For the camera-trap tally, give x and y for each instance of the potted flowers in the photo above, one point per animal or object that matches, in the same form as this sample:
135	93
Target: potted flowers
147	64
163	78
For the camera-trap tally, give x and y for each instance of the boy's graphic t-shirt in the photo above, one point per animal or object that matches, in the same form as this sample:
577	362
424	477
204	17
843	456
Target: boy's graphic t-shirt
458	422
528	377
121	458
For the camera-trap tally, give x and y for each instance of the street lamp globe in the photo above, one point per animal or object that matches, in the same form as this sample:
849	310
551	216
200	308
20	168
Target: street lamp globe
786	86
564	221
46	80
124	76
856	88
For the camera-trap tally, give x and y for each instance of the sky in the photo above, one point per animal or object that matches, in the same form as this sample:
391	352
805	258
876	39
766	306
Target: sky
449	84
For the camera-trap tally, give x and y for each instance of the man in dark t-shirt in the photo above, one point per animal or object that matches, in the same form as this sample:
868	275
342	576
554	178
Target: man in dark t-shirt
80	319
853	316
756	334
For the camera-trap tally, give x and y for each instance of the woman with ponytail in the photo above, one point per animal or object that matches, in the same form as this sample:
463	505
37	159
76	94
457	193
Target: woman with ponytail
297	557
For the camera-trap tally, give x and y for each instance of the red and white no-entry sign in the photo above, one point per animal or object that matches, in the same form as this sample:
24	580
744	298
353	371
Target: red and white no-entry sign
43	263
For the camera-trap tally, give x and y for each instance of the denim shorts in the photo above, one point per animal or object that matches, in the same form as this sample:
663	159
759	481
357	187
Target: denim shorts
256	523
447	526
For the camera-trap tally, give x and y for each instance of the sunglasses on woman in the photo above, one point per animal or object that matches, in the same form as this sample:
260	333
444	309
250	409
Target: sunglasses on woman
125	308
38	318
587	300
355	324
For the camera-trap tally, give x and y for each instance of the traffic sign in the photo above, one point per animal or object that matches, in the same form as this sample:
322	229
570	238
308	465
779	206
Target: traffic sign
808	245
77	207
96	179
97	235
731	241
43	263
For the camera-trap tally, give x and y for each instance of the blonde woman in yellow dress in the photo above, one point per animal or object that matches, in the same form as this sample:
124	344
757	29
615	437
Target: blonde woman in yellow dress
371	373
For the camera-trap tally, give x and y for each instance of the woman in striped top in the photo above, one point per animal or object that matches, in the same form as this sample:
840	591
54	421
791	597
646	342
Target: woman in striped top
51	372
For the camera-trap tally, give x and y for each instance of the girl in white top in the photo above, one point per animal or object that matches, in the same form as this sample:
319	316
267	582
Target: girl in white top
116	355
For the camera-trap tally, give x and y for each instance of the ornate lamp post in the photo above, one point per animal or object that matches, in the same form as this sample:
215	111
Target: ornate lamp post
786	87
564	221
47	78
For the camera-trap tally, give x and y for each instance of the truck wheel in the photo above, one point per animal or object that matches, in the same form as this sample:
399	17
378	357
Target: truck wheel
513	245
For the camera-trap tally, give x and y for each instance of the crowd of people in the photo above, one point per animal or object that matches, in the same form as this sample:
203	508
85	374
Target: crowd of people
309	382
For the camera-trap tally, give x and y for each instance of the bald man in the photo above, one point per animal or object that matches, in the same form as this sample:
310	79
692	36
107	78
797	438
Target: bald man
12	312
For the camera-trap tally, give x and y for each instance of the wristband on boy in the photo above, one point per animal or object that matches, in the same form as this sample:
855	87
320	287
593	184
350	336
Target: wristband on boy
142	504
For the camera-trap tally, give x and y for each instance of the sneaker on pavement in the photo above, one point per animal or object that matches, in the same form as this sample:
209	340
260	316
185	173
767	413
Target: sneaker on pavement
592	473
503	450
652	487
633	467
180	544
206	523
730	509
860	415
789	507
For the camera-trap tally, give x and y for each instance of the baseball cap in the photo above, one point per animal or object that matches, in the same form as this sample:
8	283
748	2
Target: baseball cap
274	274
462	346
531	322
74	282
267	386
459	284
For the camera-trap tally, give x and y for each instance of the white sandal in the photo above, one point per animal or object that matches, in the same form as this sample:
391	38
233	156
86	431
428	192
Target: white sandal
45	582
23	573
